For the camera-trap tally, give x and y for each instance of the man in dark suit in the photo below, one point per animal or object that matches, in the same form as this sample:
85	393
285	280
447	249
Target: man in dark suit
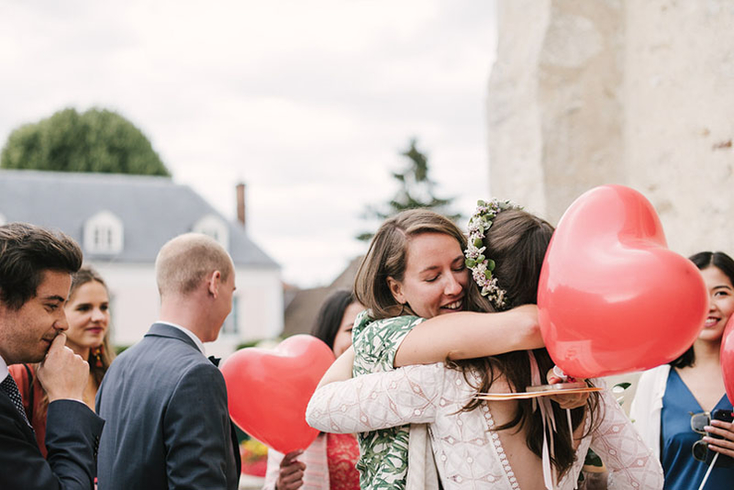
35	276
164	402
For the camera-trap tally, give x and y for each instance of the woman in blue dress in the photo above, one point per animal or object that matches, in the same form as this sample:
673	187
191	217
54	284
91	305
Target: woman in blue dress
674	402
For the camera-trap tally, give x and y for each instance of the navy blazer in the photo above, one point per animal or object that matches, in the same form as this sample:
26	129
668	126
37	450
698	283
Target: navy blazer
167	420
72	436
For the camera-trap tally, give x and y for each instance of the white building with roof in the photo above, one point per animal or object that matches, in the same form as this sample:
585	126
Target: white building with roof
121	221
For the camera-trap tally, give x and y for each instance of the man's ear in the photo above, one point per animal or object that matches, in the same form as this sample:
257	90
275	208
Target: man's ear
396	288
215	280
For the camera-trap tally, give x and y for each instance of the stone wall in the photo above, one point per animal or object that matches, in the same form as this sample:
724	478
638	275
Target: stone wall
585	93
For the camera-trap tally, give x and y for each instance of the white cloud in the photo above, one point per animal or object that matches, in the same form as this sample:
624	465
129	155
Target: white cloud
308	102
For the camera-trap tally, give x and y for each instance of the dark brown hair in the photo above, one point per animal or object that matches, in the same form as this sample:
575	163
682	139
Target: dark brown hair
26	253
704	260
330	316
517	242
387	257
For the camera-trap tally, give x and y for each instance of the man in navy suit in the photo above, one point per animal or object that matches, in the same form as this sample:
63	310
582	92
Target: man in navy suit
35	277
164	402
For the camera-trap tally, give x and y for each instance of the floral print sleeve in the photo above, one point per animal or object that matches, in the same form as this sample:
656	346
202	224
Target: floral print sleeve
376	341
383	462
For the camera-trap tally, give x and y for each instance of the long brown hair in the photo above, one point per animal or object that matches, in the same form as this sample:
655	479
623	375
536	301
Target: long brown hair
387	257
85	275
517	242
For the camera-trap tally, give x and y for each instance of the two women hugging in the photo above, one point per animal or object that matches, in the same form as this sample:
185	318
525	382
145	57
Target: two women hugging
446	320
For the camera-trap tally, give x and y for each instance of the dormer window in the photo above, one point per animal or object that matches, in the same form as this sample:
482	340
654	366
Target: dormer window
214	227
103	234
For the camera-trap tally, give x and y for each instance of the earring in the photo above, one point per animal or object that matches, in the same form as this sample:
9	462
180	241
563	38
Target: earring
97	353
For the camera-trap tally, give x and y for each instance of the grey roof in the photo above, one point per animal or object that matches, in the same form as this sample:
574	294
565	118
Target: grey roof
152	209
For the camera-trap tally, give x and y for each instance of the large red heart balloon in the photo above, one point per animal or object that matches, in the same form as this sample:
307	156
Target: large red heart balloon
269	390
612	298
727	358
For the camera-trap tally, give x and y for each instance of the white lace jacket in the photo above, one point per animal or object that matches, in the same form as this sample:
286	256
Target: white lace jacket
468	453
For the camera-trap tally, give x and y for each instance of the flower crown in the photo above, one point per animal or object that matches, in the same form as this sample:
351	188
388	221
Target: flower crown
481	266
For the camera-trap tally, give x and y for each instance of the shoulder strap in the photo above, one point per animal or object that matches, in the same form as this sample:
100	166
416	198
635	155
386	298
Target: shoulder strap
30	391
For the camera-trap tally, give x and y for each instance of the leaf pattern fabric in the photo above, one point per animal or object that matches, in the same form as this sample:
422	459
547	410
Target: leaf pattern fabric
383	463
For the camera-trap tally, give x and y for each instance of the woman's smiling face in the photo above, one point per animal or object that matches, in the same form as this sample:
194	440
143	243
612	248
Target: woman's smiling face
87	312
435	277
721	303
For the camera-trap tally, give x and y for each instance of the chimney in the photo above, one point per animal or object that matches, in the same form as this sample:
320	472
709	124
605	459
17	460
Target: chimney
241	203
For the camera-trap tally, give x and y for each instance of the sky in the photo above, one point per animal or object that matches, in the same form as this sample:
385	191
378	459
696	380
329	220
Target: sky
309	102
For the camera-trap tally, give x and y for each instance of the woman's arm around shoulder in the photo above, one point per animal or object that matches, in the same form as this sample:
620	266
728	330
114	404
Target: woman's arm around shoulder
378	400
340	370
466	335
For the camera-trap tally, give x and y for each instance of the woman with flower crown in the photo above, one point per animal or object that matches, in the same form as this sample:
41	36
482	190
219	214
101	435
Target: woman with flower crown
476	444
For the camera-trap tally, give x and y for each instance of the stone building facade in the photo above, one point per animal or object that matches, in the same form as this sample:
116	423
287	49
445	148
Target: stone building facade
585	93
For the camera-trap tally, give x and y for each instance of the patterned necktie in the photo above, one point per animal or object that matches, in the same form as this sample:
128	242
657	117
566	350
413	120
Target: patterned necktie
8	385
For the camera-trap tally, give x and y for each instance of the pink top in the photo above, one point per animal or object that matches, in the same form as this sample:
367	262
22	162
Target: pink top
342	452
36	414
329	461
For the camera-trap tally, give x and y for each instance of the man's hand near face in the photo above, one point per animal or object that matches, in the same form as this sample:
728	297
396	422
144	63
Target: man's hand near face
63	374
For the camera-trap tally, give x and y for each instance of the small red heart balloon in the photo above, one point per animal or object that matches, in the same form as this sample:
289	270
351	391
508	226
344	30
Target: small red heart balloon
612	298
727	358
269	390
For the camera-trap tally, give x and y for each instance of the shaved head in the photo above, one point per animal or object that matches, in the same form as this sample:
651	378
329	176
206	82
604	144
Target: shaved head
185	261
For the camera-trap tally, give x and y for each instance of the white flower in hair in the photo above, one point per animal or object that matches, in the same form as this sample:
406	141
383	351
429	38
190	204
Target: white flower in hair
481	266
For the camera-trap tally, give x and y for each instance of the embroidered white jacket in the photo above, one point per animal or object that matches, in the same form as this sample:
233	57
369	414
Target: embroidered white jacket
468	452
647	406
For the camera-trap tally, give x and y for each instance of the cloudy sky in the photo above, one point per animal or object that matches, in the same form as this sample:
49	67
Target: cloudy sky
309	102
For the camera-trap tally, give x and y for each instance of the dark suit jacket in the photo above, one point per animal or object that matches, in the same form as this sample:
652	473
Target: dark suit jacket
72	435
167	421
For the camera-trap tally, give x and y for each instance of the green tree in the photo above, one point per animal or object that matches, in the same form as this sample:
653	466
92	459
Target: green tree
97	140
416	190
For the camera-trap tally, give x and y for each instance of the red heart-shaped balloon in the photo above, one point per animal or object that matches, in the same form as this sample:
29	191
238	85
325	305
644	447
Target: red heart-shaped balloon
269	390
727	358
612	298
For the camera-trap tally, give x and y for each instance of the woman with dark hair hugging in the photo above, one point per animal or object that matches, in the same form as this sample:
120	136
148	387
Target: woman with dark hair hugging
476	443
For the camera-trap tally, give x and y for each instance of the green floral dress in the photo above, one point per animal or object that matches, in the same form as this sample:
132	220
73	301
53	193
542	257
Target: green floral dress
383	463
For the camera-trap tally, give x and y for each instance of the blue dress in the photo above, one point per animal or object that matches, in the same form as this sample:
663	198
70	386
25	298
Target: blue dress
682	471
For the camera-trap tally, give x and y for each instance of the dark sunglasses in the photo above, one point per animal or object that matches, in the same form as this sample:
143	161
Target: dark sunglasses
698	422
